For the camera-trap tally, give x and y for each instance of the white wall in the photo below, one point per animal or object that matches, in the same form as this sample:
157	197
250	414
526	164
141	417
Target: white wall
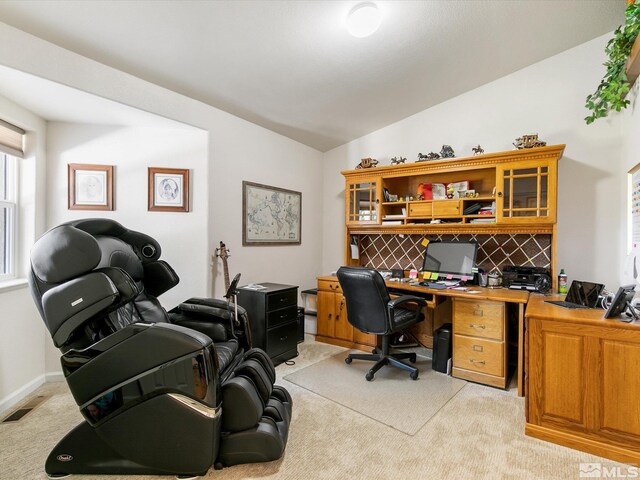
22	332
182	236
546	98
236	150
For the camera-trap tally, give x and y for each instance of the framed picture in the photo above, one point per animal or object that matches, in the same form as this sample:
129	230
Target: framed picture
90	186
168	190
270	215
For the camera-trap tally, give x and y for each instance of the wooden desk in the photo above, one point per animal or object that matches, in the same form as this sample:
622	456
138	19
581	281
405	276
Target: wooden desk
583	380
480	327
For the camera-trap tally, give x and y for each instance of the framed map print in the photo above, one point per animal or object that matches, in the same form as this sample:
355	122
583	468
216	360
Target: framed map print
270	215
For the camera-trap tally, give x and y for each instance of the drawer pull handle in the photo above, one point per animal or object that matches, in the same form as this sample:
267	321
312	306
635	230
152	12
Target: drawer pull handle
282	339
477	325
282	299
476	362
283	316
477	313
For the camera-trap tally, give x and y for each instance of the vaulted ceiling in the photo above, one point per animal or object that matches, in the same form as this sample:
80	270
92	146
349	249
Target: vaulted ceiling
291	66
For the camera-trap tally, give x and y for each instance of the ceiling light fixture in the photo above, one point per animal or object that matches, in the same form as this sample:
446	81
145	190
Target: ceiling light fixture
363	19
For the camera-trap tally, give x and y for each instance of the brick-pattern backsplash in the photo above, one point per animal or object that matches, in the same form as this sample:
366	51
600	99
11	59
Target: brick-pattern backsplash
386	252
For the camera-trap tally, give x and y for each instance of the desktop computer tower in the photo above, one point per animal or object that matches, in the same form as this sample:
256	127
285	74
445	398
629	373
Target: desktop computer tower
441	348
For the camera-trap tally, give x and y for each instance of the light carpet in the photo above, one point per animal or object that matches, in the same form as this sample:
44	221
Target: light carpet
392	398
479	434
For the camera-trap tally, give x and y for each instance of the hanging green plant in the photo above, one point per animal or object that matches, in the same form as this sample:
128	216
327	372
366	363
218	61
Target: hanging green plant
611	93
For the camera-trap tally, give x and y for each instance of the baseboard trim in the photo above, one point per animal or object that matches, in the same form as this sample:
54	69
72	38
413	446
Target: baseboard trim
20	394
54	377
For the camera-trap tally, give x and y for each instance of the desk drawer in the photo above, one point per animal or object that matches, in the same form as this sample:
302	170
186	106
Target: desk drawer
446	207
329	286
282	339
479	318
420	209
475	354
282	299
283	315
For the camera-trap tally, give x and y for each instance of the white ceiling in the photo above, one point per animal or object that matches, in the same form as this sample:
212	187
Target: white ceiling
290	66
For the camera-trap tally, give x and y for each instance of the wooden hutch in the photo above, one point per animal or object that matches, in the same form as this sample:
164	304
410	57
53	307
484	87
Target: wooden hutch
516	190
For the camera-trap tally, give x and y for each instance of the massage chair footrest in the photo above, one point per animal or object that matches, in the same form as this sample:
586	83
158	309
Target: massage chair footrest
263	443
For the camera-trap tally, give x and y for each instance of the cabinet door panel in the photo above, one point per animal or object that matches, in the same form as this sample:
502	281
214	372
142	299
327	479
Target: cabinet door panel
620	390
563	378
326	313
363	201
343	329
526	192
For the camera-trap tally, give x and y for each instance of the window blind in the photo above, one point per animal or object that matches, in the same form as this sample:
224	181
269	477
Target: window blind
11	139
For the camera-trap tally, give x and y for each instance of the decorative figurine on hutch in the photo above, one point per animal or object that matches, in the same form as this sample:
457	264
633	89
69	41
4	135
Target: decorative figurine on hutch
477	150
528	141
398	160
447	152
422	157
367	163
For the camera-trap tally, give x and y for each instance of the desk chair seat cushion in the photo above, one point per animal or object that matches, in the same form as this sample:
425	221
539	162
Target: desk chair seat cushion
403	318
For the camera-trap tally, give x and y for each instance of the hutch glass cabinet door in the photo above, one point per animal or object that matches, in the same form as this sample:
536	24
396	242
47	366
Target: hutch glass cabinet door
526	192
363	201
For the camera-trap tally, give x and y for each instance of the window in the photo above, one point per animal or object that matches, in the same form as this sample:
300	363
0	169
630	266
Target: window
8	195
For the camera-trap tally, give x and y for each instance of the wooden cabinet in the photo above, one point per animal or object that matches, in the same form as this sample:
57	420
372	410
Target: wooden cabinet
480	341
583	384
513	188
333	323
273	315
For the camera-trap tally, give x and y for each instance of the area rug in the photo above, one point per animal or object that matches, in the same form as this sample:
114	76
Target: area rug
392	398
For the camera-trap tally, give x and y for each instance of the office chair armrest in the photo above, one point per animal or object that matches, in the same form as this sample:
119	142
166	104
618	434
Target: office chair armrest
393	304
405	299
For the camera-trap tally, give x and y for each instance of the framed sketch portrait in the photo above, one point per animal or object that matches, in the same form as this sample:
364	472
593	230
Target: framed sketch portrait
270	215
90	186
168	190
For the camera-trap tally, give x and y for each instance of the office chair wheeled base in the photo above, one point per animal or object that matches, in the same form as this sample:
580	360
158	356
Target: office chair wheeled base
383	357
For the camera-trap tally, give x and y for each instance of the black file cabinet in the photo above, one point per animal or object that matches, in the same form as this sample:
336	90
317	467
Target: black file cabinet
273	315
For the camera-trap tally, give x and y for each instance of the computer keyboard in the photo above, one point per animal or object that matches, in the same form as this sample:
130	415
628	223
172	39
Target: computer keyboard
437	286
562	303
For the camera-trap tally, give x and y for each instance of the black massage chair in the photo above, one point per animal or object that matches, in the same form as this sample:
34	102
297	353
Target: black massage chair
161	392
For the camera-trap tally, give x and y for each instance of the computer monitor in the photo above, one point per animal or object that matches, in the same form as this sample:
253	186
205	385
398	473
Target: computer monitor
455	259
621	302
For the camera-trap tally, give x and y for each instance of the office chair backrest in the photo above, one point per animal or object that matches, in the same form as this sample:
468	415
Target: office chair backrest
366	296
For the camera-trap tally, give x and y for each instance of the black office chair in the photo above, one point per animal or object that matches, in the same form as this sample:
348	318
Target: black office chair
371	310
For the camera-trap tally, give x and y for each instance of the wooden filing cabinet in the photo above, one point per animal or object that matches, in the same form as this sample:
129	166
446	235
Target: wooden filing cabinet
480	341
273	314
333	323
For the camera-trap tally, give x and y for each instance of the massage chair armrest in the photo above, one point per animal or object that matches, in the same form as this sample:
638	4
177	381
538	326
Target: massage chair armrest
135	350
159	277
210	316
70	305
